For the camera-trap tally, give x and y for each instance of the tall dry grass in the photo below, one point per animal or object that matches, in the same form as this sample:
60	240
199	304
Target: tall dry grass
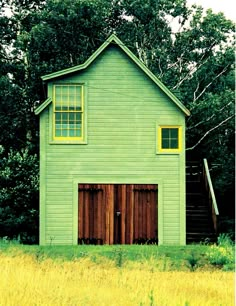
25	281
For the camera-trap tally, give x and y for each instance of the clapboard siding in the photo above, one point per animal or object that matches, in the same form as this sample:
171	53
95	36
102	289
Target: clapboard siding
123	108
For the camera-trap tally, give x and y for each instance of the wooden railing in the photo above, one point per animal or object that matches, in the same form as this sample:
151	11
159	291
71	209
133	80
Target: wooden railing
211	194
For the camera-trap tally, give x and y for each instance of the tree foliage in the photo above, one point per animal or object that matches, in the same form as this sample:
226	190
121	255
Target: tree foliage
190	50
19	195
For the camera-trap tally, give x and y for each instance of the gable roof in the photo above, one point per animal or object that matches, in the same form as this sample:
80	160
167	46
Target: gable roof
114	39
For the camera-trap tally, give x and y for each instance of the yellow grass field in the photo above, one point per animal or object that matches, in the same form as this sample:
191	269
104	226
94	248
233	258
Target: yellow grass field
24	281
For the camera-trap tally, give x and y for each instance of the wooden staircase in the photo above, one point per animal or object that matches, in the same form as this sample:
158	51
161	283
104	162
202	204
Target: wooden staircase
201	207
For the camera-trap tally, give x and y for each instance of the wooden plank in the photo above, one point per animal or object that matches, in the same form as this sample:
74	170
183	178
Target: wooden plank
144	210
156	212
116	218
103	213
149	214
99	214
136	214
95	212
90	211
131	202
86	212
107	214
153	214
140	213
111	213
123	212
80	211
127	213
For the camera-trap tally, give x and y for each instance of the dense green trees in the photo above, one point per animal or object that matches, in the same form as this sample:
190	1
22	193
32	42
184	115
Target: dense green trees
192	52
19	195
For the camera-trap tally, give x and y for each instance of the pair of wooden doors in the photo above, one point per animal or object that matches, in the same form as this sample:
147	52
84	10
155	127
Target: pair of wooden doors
117	213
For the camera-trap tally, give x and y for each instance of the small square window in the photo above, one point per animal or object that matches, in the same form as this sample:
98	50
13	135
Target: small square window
169	139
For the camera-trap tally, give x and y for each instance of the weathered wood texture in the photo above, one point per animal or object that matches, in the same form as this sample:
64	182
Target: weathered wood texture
120	214
123	108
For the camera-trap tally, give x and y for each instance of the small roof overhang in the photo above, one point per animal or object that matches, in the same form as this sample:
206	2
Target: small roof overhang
42	106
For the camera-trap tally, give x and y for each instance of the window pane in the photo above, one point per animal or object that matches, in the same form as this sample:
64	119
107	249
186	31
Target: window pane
174	143
64	107
75	102
64	133
63	89
71	133
71	117
174	133
64	116
72	126
58	117
58	133
165	144
165	133
78	133
78	98
78	117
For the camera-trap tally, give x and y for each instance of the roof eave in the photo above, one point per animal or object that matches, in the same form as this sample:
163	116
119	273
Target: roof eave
116	40
42	106
82	66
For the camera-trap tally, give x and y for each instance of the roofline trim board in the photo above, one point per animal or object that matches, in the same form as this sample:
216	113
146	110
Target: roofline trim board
114	39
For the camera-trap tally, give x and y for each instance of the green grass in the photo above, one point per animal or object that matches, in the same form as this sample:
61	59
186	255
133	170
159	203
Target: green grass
172	257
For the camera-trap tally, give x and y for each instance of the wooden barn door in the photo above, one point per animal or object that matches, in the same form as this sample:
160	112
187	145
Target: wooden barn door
145	214
96	209
119	214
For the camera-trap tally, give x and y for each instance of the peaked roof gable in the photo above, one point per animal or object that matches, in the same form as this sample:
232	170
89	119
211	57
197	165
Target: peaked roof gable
114	39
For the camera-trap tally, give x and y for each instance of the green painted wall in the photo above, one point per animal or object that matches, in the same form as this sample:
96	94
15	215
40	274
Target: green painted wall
123	109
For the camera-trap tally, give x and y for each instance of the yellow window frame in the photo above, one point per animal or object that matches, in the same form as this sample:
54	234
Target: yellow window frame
68	138
159	140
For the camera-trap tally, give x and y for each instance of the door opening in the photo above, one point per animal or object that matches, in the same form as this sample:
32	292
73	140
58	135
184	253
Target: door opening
117	213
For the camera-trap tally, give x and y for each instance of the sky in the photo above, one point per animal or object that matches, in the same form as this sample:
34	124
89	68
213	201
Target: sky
228	7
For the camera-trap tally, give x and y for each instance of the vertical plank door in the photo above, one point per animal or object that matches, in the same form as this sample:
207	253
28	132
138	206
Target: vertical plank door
145	213
92	214
117	213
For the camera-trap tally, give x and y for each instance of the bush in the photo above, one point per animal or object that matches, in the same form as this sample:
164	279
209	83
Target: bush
220	255
224	240
19	185
223	253
192	260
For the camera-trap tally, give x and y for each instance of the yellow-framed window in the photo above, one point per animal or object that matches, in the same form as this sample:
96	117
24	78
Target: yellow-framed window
170	139
68	111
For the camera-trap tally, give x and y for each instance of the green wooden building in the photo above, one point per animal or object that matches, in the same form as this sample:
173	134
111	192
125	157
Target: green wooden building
112	154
